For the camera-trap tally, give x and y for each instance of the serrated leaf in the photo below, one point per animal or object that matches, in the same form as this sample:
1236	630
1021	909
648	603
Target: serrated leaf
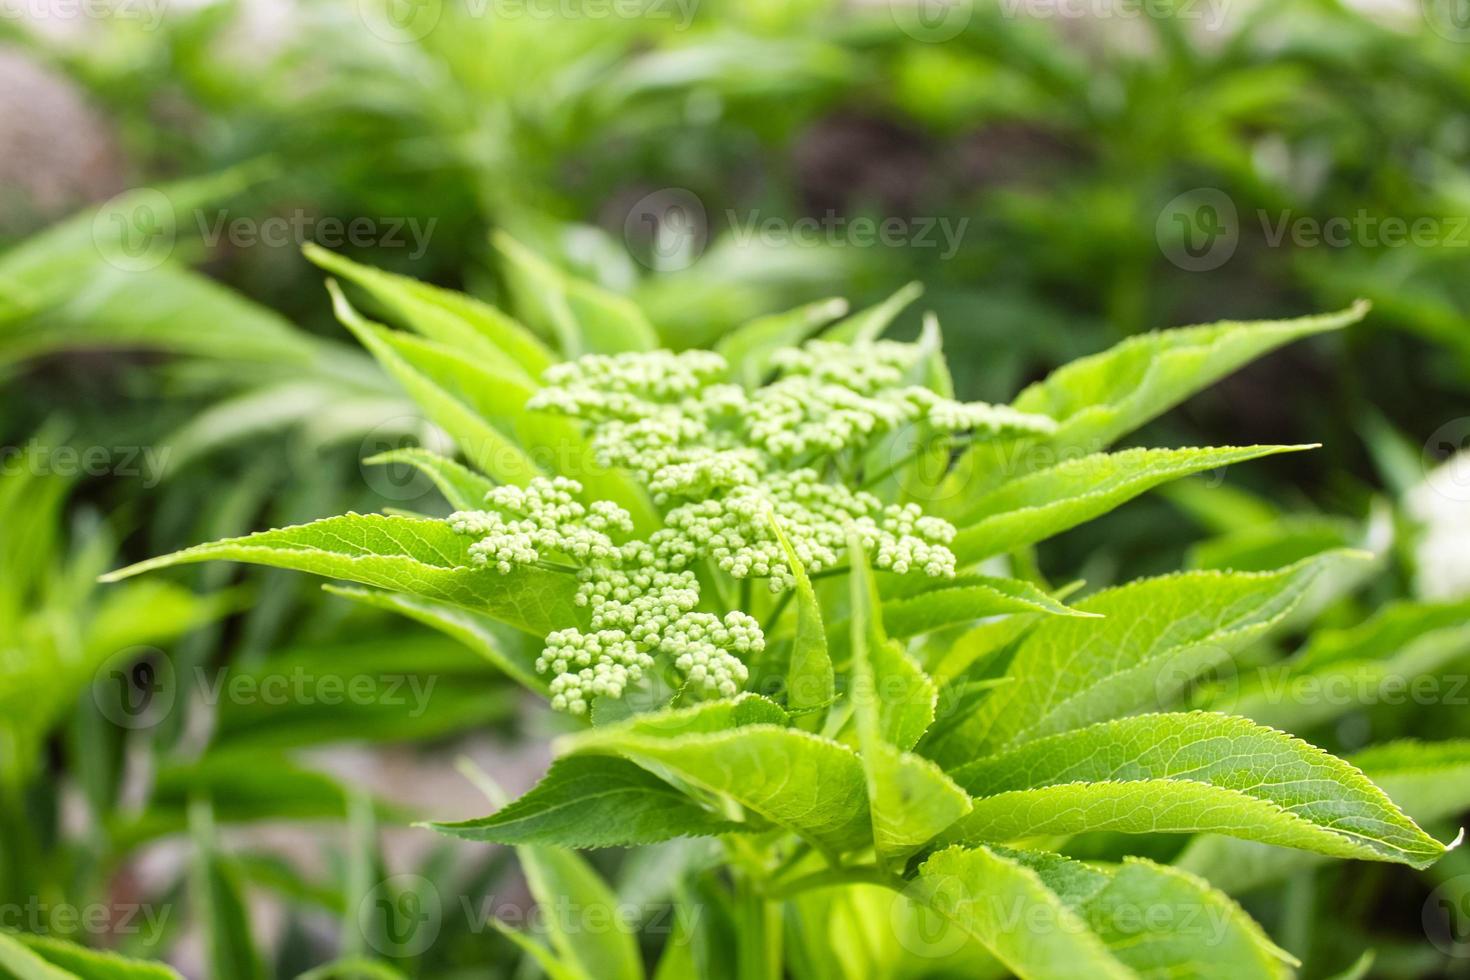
1163	922
1188	773
443	314
1046	502
810	785
422	557
1430	781
1100	398
910	798
586	319
1047	916
1383	660
1156	636
810	682
1001	902
588	802
749	347
462	487
490	449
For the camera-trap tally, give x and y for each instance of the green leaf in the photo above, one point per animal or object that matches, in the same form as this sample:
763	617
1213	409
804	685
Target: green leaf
490	449
749	347
1188	773
1046	916
424	558
810	785
1163	922
910	798
964	599
462	487
810	683
1007	906
1158	635
585	319
1429	780
67	959
868	324
444	315
1097	399
1044	503
587	802
1385	660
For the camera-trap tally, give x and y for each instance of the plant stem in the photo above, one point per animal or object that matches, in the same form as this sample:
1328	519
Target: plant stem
865	875
777	610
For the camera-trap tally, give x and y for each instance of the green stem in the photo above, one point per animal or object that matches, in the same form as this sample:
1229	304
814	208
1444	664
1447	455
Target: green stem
777	610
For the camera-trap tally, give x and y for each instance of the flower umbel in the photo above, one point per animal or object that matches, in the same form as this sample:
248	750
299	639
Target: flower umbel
723	464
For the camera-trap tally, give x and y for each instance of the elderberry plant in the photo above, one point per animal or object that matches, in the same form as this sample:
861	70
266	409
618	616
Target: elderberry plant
906	719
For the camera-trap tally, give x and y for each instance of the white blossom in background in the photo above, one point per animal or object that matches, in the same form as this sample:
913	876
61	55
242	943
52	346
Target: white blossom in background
1441	506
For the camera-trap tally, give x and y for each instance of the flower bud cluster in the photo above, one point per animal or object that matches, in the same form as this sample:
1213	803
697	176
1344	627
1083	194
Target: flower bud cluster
588	665
520	525
625	386
721	461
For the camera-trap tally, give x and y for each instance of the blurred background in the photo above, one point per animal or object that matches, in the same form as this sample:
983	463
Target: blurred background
1056	174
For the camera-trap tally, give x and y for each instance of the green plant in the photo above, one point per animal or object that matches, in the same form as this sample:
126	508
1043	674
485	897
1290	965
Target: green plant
880	714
